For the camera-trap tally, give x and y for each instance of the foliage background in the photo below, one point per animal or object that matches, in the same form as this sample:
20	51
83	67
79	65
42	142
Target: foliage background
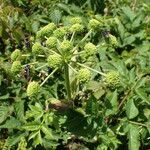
102	118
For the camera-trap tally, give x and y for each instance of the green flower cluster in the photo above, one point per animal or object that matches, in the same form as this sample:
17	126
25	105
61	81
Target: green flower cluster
94	24
90	49
76	20
76	28
51	42
112	79
16	55
37	48
113	40
54	60
33	88
66	46
46	31
16	67
60	32
2	143
84	75
22	144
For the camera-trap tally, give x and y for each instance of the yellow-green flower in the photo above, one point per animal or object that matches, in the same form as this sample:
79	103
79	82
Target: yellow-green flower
76	27
37	48
16	67
90	49
84	75
51	42
94	24
16	55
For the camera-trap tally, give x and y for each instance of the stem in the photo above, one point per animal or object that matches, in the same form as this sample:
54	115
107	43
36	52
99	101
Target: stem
72	36
68	88
48	76
40	67
103	74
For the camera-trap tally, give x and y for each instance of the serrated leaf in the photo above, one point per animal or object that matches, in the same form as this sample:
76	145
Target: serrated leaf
4	97
131	109
12	123
133	136
38	139
4	110
47	131
33	126
33	134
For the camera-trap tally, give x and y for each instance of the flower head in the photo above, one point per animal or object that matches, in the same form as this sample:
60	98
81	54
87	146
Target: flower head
54	60
75	20
51	42
37	48
113	40
84	75
94	24
76	28
60	32
112	79
90	49
16	55
16	67
33	88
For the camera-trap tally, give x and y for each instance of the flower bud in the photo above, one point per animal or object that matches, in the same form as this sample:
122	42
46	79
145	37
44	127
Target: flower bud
51	42
75	20
54	61
16	67
33	88
84	75
94	24
60	32
112	79
37	48
16	55
113	40
90	49
46	31
66	46
76	28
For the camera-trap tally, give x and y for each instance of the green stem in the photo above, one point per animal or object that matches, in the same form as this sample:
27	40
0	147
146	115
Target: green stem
48	77
68	88
72	36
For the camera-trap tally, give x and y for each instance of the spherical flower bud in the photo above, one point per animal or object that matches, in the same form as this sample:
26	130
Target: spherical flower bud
51	42
37	48
90	49
94	24
33	88
66	46
16	55
60	32
84	75
75	20
16	67
76	28
46	31
112	79
54	61
113	40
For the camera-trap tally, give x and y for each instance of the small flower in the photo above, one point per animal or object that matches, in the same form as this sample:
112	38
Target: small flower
94	24
112	79
84	75
33	88
60	32
76	28
51	42
75	20
54	61
16	67
90	49
113	40
46	31
66	46
16	55
37	48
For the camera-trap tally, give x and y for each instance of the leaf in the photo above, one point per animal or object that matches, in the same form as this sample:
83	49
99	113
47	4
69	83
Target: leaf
131	109
140	92
4	97
112	107
47	131
33	134
12	123
4	110
33	126
19	110
128	12
133	136
56	16
38	139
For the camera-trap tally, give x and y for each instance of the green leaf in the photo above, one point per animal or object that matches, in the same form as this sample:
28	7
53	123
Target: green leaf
4	97
33	126
4	110
133	136
131	109
33	134
47	131
38	139
12	123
